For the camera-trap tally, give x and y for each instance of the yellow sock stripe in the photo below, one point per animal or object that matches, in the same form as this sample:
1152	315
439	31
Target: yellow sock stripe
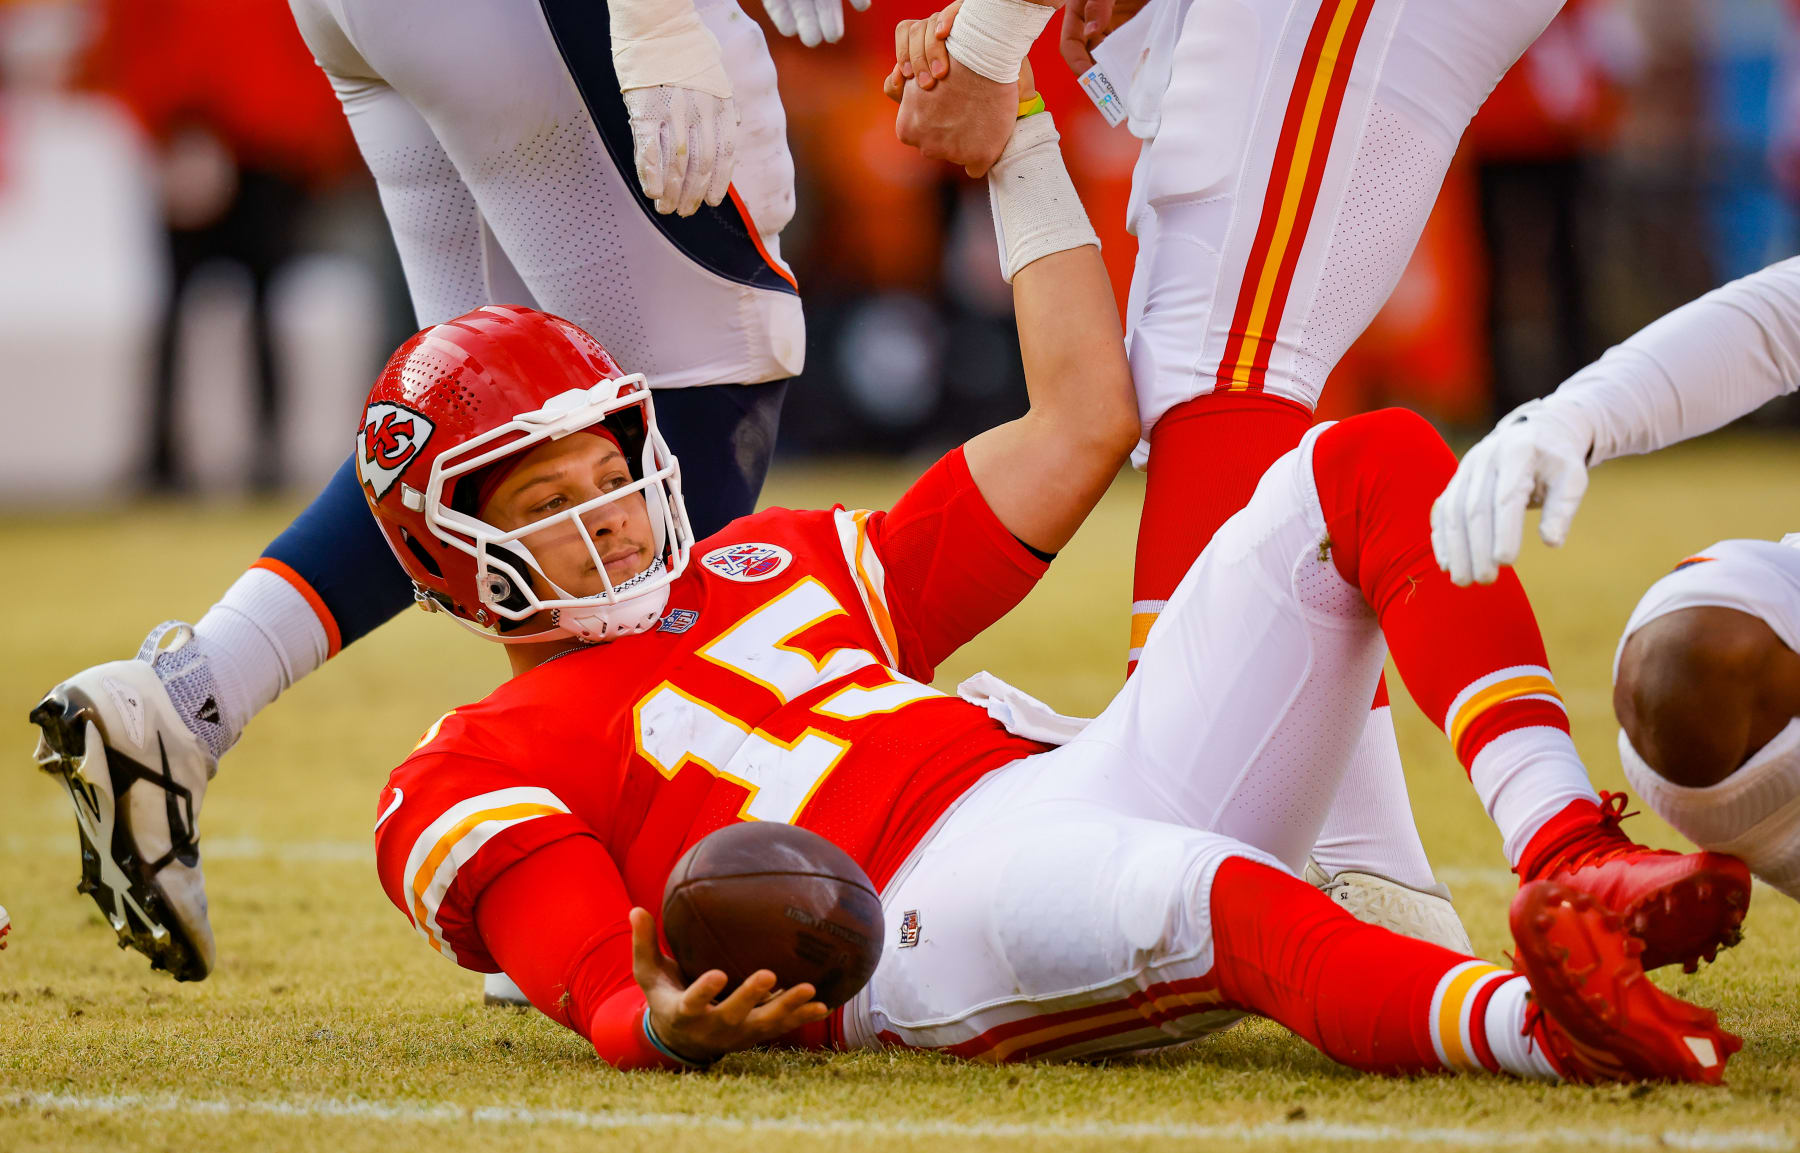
1481	702
1140	628
1449	1024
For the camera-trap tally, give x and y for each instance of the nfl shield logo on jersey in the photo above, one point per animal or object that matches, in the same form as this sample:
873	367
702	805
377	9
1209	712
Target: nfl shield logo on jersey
909	928
388	440
748	561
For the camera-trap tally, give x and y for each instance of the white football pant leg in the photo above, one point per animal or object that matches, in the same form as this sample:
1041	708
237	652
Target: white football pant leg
1754	813
1254	686
1369	827
500	106
1043	928
1221	172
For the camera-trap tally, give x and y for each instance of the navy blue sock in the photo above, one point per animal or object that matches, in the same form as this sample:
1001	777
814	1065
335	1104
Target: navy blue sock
724	437
335	548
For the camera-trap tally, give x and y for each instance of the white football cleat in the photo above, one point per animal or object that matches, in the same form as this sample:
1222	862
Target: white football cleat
1423	914
117	739
500	990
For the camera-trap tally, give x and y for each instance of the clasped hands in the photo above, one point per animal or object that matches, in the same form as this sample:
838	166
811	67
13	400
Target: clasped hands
949	112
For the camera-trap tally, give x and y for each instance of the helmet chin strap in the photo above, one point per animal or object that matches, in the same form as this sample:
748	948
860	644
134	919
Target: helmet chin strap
599	622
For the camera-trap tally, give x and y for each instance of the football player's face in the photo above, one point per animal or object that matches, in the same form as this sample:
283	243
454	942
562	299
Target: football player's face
553	478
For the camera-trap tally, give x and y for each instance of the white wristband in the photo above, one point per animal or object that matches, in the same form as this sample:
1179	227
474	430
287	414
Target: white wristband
992	36
657	43
1036	210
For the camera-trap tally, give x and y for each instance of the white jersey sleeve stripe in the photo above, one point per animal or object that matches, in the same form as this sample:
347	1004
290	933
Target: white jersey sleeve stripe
871	578
453	840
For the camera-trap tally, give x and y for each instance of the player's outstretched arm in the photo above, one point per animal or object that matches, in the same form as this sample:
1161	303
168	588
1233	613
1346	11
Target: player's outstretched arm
683	119
1044	472
1695	370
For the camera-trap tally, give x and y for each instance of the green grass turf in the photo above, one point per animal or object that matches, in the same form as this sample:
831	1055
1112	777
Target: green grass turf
325	997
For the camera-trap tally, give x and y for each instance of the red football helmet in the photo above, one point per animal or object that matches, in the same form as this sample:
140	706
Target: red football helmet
495	383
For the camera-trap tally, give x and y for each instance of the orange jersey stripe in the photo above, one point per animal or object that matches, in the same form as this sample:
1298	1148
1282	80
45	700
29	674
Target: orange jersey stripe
1288	203
317	603
877	606
447	842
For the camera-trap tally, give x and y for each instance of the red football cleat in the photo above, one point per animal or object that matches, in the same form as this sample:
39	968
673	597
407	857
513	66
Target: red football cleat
1684	907
1597	1017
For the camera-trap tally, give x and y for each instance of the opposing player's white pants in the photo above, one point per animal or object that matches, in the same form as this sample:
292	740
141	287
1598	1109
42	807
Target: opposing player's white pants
500	188
1062	909
1300	149
1755	812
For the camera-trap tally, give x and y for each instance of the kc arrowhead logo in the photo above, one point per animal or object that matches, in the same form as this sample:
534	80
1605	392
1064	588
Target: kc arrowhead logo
391	435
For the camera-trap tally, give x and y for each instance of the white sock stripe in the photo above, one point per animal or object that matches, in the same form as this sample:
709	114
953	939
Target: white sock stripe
1138	607
1466	1023
1438	994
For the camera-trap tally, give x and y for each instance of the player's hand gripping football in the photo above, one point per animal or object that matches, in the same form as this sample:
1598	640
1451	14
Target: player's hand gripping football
690	1021
683	119
1536	457
814	21
946	112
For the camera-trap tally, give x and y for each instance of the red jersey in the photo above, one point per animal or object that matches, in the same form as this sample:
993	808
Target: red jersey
785	682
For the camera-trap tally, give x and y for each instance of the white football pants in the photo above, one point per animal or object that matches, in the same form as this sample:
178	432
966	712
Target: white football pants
1062	909
500	183
1755	812
1299	152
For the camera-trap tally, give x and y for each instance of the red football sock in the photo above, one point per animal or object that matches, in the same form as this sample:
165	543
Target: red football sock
1206	456
1362	995
1472	657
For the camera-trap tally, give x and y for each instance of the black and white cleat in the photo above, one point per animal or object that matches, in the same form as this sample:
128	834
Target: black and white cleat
136	774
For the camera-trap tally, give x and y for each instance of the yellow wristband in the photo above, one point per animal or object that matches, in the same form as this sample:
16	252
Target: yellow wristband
1031	107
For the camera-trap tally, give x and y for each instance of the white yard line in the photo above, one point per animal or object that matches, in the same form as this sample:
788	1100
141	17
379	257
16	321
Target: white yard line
1274	1132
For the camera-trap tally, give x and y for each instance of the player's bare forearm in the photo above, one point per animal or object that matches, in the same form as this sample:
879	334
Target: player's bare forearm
1044	472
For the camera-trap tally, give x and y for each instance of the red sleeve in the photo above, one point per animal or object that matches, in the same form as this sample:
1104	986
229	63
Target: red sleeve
952	569
556	922
450	823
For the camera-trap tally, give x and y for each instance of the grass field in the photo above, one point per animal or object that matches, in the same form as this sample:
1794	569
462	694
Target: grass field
329	1026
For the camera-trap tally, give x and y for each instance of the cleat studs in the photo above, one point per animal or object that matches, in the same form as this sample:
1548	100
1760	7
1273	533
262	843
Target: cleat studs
1703	891
1543	922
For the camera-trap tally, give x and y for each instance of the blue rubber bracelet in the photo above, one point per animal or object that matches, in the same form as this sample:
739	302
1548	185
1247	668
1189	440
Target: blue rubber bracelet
657	1042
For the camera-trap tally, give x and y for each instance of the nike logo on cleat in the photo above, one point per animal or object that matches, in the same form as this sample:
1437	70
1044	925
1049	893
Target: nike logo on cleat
209	712
1703	1051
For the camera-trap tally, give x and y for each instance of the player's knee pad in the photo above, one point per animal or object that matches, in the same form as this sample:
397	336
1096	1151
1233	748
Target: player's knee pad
1377	475
1753	814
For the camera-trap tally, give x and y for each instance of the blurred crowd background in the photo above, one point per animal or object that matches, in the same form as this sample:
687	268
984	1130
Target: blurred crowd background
196	283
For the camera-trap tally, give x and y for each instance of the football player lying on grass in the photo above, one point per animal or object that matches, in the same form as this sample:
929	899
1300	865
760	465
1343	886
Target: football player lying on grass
1059	902
1707	674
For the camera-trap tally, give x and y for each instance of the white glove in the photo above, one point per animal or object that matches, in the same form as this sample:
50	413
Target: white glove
1536	457
812	20
678	95
682	142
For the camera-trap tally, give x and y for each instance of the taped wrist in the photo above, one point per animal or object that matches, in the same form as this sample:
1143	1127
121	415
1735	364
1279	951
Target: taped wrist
1036	211
992	36
662	43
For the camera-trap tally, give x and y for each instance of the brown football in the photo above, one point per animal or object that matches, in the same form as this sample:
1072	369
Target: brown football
761	895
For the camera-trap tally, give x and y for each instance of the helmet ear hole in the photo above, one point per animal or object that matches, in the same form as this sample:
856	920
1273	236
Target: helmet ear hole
504	580
421	554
